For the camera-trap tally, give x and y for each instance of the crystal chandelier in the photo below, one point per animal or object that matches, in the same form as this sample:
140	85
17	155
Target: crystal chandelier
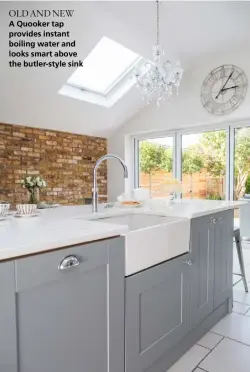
157	79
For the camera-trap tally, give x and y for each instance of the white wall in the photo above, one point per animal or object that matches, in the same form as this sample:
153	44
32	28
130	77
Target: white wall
182	111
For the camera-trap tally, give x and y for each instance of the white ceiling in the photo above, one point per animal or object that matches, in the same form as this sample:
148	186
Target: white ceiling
189	31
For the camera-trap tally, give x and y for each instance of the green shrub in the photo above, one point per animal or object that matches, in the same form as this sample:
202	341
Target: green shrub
247	184
214	196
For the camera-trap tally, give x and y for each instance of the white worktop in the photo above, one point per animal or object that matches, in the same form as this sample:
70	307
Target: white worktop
194	208
52	229
60	227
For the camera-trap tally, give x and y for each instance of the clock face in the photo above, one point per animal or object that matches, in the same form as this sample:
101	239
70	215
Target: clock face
224	89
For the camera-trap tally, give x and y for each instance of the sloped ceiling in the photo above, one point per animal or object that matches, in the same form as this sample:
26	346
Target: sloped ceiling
189	31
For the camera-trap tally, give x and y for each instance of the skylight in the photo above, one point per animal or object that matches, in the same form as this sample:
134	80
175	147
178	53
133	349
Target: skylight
106	75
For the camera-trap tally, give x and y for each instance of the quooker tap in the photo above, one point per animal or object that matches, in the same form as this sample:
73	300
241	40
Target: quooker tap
95	189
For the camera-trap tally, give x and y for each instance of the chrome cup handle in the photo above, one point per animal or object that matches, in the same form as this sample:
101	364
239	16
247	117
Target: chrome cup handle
69	262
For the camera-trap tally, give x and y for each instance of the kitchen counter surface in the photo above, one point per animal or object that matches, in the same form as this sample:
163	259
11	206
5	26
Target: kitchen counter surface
194	208
55	228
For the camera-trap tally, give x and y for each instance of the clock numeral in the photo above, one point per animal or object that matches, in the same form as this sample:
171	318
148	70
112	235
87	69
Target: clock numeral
227	106
211	80
236	75
235	100
219	74
223	70
238	96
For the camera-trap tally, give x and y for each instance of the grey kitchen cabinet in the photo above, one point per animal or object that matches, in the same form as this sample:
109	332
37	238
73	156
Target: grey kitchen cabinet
165	304
70	319
223	257
157	312
202	273
8	349
212	257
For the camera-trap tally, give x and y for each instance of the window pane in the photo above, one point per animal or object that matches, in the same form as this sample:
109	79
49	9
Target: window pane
241	163
204	165
156	164
106	63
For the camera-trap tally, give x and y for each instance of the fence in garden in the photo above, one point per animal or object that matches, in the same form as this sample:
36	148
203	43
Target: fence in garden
198	186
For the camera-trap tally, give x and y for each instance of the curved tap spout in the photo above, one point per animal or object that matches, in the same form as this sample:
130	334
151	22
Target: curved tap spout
97	164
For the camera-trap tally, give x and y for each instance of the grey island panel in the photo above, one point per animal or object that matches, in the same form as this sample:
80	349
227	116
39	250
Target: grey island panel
72	320
223	253
8	347
202	282
157	312
170	306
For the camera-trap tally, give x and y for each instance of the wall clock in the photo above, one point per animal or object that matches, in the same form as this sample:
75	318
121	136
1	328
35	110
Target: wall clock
224	89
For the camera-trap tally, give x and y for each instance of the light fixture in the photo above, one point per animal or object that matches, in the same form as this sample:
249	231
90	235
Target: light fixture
157	79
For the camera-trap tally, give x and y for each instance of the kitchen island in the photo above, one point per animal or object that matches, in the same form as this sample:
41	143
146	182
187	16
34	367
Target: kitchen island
66	298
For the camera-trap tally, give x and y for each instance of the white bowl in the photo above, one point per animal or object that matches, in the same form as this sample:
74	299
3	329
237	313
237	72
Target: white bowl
4	209
141	194
26	209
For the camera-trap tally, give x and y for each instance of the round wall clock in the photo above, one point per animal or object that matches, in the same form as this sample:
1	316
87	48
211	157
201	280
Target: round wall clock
224	89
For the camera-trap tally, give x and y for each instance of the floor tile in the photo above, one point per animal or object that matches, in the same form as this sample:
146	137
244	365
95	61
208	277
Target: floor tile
240	295
210	340
234	326
236	279
240	308
228	356
248	313
190	360
238	284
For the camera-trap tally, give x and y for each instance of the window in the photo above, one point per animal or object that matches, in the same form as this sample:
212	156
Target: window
204	165
155	164
241	162
107	74
212	162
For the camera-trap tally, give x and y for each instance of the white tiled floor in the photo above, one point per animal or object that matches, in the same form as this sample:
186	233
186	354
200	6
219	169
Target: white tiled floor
210	340
240	308
190	360
228	356
226	348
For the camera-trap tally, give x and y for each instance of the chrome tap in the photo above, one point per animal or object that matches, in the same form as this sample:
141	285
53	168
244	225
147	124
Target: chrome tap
95	189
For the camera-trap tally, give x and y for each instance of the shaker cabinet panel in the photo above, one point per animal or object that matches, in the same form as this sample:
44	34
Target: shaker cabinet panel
223	253
63	325
202	278
8	349
72	319
157	312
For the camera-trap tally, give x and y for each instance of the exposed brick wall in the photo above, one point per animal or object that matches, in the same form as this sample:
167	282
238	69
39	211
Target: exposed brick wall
64	160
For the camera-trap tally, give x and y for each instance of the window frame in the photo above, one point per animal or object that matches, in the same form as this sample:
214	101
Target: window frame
114	91
177	134
136	157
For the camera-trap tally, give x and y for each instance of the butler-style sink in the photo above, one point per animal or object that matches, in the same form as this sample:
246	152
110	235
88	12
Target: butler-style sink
151	238
138	221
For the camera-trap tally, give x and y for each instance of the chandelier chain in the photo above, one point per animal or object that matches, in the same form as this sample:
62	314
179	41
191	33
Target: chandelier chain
157	22
157	78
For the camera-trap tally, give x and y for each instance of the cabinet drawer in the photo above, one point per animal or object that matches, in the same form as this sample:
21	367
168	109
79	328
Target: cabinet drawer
43	268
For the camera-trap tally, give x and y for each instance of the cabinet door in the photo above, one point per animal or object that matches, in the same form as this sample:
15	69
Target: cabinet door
72	319
8	351
223	254
157	312
202	277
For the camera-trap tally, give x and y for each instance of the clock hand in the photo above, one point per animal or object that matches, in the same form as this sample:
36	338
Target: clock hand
235	86
224	84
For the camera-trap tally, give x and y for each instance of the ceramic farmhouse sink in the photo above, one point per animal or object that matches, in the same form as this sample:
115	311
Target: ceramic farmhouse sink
137	221
151	238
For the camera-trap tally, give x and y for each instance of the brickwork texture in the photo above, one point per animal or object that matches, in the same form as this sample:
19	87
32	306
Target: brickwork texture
64	160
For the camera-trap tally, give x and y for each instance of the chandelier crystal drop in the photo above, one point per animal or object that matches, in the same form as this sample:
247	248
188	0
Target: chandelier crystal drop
157	78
